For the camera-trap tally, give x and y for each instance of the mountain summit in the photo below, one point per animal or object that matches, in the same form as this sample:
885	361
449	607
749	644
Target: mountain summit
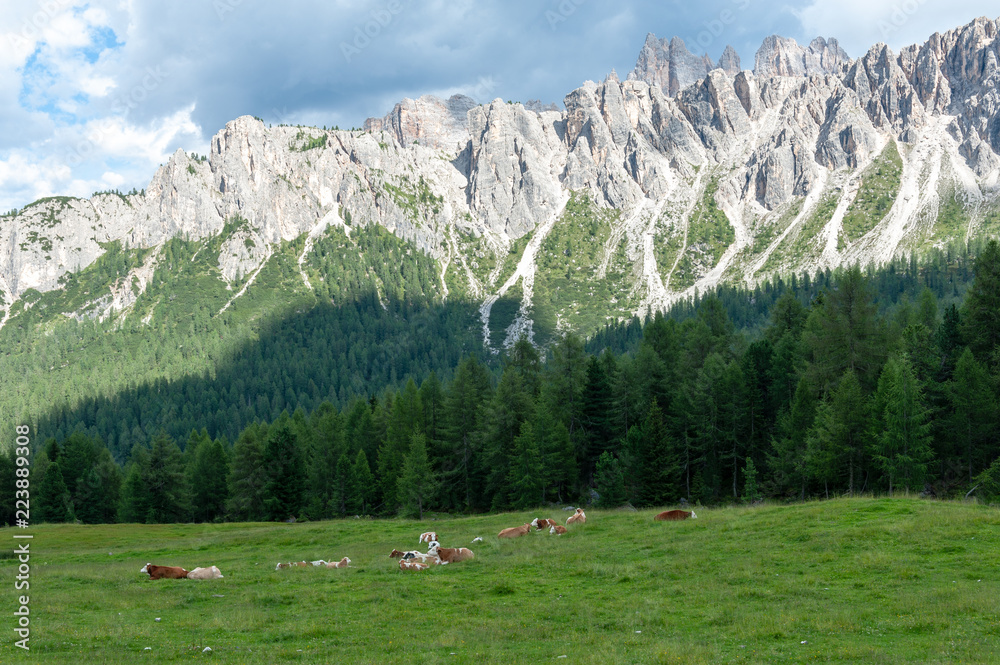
640	191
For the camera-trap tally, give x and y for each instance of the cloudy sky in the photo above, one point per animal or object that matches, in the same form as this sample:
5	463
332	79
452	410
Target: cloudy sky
95	94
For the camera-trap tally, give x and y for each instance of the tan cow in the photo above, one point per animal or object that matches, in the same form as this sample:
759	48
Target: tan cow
410	564
672	515
428	537
541	523
557	529
343	563
515	531
579	517
451	554
164	572
210	573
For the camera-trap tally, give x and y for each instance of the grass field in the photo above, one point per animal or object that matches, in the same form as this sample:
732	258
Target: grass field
844	581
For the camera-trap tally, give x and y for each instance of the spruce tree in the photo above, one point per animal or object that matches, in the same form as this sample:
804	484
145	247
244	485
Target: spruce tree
610	481
99	490
247	476
52	500
417	483
135	498
972	421
525	477
751	490
284	470
360	486
209	487
903	446
981	311
168	489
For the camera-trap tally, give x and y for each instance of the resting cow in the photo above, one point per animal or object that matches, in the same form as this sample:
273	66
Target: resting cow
672	515
515	531
579	517
343	563
210	573
164	572
541	523
300	564
557	529
451	554
410	564
412	554
428	537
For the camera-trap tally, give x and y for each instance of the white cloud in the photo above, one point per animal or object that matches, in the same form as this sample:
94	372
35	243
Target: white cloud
859	24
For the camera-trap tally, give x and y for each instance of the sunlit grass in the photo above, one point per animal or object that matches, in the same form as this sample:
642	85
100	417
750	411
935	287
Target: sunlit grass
864	580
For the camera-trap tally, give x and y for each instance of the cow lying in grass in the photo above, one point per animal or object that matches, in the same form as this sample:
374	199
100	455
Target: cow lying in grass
412	554
428	537
672	515
448	555
541	523
579	517
515	531
210	573
411	564
343	563
557	529
164	572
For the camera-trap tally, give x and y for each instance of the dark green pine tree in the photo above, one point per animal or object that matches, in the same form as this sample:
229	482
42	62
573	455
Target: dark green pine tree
417	483
248	476
653	463
465	400
751	490
210	490
325	487
610	481
360	486
341	486
135	498
52	501
903	446
79	453
99	491
596	418
972	421
524	357
284	469
981	311
502	420
526	475
169	492
789	450
404	420
8	478
840	434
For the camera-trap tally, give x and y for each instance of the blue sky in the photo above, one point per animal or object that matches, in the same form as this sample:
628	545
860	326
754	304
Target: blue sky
95	94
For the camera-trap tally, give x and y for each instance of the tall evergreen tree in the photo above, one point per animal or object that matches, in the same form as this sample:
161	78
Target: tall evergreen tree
466	398
52	501
135	496
839	435
509	408
284	469
417	483
903	446
610	481
208	482
525	476
169	492
981	312
360	486
972	422
99	491
248	476
790	453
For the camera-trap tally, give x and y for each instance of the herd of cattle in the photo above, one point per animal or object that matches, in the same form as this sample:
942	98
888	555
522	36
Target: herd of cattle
412	559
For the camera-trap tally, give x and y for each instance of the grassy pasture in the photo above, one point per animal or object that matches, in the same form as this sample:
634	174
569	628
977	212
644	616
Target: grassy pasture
844	581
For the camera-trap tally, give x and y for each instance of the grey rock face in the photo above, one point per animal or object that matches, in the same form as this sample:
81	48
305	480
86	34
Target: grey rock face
669	65
799	126
780	56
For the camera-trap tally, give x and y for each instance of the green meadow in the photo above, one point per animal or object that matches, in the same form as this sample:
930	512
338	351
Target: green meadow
865	580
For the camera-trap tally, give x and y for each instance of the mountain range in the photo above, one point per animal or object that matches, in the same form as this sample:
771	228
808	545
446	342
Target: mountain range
638	192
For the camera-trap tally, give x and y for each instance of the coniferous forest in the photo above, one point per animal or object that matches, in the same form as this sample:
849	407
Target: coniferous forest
857	381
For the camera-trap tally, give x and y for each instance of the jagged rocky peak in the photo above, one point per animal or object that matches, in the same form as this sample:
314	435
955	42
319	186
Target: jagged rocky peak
782	56
429	121
670	65
730	61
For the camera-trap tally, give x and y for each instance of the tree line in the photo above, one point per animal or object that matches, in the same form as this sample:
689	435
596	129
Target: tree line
831	397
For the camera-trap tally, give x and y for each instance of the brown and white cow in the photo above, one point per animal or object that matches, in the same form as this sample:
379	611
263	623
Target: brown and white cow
541	523
672	515
579	517
412	554
343	563
210	573
410	564
557	529
515	531
164	572
293	564
428	537
451	554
